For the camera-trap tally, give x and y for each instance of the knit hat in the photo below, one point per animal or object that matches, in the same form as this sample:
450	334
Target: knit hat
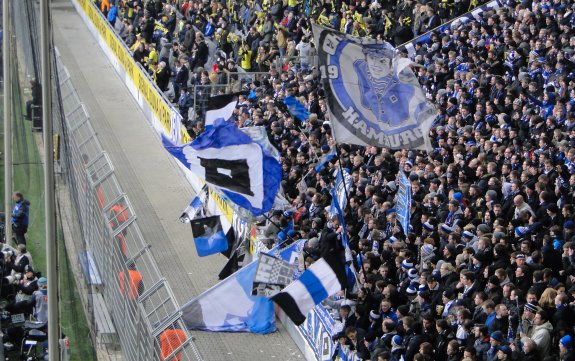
566	341
569	224
412	273
409	163
458	196
531	307
519	256
374	315
411	290
426	250
42	281
468	234
497	336
389	211
396	341
407	264
484	228
393	239
403	310
505	349
494	280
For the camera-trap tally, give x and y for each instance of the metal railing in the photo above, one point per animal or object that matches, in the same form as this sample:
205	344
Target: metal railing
138	298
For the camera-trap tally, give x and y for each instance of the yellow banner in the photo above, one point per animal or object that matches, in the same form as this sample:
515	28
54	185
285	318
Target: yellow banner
160	108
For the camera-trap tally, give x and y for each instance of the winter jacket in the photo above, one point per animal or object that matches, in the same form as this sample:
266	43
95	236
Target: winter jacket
542	337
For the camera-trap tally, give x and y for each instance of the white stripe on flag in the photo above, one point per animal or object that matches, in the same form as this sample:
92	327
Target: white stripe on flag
225	113
299	290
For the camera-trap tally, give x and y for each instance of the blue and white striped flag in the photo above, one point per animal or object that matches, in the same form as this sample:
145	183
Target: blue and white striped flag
322	279
196	206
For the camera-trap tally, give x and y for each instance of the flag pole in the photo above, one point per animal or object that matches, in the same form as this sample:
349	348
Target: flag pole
7	60
50	202
347	203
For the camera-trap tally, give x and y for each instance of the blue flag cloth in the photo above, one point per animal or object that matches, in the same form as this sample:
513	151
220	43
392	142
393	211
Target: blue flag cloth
403	205
209	236
296	109
230	161
230	307
323	161
374	96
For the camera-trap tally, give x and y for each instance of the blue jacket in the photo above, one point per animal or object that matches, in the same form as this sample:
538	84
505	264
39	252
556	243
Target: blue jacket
113	13
20	213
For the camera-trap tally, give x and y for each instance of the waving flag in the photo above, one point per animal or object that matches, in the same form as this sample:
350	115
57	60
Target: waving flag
230	161
404	202
296	109
323	161
220	106
195	207
209	236
322	279
230	307
374	97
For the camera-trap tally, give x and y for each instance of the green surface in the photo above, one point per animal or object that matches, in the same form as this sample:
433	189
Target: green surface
29	179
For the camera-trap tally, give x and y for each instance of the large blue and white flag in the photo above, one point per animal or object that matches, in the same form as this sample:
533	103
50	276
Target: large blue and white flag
196	206
322	279
403	205
230	161
374	97
230	307
209	236
296	109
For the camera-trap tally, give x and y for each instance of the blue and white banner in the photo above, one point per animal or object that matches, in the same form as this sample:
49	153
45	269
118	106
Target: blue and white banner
403	205
463	19
373	94
230	307
229	160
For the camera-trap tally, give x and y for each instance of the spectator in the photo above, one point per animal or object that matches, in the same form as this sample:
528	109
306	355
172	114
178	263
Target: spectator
20	217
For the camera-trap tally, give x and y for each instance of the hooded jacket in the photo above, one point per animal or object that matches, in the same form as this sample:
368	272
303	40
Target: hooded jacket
542	337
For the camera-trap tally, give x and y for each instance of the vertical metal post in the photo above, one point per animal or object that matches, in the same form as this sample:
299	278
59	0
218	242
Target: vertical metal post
50	203
6	40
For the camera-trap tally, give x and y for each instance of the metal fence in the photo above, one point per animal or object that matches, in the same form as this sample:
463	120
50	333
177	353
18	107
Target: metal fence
124	285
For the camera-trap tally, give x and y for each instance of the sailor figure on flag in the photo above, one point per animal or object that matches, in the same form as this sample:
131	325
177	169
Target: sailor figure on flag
380	88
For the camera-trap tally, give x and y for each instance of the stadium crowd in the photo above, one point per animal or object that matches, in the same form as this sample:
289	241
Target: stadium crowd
487	269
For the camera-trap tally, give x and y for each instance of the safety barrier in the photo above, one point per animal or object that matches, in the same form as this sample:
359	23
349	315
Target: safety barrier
139	300
312	338
109	242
